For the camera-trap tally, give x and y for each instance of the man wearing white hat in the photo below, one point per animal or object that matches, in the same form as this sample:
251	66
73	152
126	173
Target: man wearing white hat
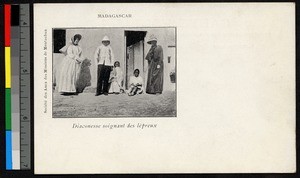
105	60
155	67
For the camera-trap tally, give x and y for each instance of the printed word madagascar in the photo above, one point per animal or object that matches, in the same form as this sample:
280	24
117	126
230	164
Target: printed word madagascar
114	15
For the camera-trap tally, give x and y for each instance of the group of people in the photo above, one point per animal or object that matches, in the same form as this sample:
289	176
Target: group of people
109	74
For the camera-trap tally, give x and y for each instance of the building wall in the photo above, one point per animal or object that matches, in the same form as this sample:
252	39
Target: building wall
169	67
138	56
130	64
91	39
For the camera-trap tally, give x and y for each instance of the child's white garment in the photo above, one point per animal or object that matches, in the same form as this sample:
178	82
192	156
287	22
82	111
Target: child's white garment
115	79
136	85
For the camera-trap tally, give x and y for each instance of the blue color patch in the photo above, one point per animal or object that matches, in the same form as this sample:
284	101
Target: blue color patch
8	150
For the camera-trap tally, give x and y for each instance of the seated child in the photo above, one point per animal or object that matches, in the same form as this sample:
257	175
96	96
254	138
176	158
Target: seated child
135	84
116	79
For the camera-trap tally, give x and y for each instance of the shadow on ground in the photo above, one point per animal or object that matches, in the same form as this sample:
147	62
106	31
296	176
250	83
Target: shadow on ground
87	105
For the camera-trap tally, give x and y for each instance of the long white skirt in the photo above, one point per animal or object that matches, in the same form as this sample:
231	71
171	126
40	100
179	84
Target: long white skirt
114	87
69	70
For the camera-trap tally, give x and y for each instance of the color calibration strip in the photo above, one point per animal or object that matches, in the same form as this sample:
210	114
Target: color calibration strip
17	86
8	132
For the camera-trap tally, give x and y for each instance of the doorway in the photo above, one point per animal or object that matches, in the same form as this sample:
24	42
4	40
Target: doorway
134	54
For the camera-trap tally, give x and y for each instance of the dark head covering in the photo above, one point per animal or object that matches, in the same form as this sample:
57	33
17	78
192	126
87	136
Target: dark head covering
117	62
137	70
77	36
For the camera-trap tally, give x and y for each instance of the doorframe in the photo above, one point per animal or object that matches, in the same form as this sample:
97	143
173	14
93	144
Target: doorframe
125	82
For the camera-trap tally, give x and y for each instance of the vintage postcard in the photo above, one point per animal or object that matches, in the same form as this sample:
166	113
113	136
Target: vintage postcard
164	88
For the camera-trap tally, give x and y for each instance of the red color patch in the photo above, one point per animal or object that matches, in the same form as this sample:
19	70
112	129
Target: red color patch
7	9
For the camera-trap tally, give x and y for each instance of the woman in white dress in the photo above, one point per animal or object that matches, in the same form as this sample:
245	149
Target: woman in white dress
116	79
70	67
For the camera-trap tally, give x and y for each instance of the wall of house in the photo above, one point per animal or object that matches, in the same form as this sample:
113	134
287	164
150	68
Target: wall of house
130	65
138	57
169	67
91	39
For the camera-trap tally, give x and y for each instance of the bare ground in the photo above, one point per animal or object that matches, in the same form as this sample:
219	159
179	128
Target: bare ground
88	105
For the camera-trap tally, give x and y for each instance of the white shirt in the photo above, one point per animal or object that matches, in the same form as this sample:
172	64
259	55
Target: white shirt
136	80
104	55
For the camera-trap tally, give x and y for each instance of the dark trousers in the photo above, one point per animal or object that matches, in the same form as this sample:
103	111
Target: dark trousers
103	74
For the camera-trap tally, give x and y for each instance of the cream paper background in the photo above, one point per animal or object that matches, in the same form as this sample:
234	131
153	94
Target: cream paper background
235	93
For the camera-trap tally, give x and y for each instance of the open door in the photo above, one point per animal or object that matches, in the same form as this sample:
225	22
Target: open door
134	54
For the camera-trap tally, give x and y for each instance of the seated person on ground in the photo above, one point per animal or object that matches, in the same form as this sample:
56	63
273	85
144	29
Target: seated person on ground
136	84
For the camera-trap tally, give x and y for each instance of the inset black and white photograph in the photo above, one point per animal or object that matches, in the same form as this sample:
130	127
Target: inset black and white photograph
114	72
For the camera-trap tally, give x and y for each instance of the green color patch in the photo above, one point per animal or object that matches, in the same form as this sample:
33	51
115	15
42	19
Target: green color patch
7	109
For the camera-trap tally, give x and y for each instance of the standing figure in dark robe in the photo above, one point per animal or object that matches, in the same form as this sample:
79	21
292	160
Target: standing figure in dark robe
155	67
